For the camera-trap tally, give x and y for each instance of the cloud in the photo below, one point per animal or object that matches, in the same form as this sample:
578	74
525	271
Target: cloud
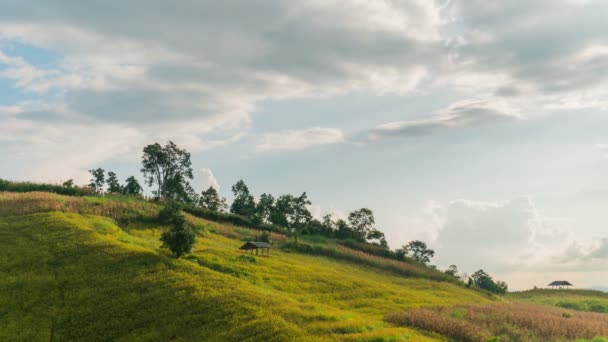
508	236
211	181
603	149
290	140
461	114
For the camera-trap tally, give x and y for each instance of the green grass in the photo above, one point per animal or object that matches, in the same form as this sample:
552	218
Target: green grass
67	273
579	300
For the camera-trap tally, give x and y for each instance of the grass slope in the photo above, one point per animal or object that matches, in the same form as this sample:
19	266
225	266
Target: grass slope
579	300
67	273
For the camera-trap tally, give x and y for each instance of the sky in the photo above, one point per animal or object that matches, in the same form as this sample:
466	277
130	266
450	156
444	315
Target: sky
477	126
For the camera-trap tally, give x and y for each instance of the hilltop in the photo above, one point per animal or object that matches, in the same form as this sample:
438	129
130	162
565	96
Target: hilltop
76	267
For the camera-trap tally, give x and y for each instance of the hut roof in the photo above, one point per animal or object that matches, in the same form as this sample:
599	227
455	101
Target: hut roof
255	244
560	283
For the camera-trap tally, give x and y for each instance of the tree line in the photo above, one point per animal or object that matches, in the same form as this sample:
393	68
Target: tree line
167	170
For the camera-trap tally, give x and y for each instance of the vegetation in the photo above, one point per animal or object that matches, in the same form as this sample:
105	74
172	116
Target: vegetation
579	300
504	322
60	258
168	168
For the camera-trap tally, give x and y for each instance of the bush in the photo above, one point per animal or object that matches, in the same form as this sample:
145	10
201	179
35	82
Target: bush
169	212
180	238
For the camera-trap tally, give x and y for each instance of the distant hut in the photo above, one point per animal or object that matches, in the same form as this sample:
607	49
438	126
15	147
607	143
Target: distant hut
559	284
251	245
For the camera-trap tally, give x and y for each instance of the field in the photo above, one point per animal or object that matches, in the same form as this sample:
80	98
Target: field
579	300
76	267
92	267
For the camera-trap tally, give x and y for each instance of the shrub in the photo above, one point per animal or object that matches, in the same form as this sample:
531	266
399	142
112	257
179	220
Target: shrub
180	238
67	188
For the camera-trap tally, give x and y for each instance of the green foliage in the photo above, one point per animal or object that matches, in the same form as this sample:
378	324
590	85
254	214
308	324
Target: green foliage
416	250
361	222
484	281
265	207
452	271
169	212
96	183
113	184
132	187
67	188
266	237
243	203
180	238
210	199
168	168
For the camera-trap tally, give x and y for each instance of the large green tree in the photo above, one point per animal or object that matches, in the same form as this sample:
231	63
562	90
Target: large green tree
180	238
211	200
168	168
243	203
362	222
96	183
264	207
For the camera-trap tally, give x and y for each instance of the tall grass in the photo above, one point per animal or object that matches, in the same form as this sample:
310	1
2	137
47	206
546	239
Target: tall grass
340	252
6	185
508	321
574	299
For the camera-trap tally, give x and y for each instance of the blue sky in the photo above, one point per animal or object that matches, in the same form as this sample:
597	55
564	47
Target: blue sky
479	127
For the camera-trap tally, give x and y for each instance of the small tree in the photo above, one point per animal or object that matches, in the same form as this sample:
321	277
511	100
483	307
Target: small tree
452	270
132	187
418	251
68	184
96	183
266	237
243	203
362	222
211	200
113	185
180	238
484	281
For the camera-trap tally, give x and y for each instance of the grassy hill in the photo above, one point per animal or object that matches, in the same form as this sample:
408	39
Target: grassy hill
76	268
579	300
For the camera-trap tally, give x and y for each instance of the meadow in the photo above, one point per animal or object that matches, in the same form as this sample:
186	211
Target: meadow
76	267
574	299
91	267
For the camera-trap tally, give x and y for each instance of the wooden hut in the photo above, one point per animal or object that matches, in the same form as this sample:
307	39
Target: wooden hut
559	284
251	245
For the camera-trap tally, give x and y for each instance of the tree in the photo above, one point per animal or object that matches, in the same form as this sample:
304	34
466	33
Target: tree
452	271
376	235
264	207
180	238
343	230
68	184
418	251
96	183
243	203
113	185
169	168
361	221
211	200
132	187
484	281
328	225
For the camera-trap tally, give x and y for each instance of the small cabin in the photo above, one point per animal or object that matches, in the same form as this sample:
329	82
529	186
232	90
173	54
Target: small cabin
251	245
559	284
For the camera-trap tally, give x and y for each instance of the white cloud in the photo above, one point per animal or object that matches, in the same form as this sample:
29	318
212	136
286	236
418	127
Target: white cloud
210	179
603	149
507	236
299	139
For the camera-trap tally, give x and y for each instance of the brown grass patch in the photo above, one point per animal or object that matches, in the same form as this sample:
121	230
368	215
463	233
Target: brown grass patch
512	322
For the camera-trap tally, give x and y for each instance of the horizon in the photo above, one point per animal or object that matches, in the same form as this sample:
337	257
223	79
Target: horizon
478	128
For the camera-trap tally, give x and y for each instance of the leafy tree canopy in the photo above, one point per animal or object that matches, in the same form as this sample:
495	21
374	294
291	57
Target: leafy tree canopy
211	200
96	183
243	203
168	168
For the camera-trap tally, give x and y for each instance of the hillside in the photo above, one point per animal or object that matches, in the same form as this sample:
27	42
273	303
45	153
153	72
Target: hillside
68	275
76	267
